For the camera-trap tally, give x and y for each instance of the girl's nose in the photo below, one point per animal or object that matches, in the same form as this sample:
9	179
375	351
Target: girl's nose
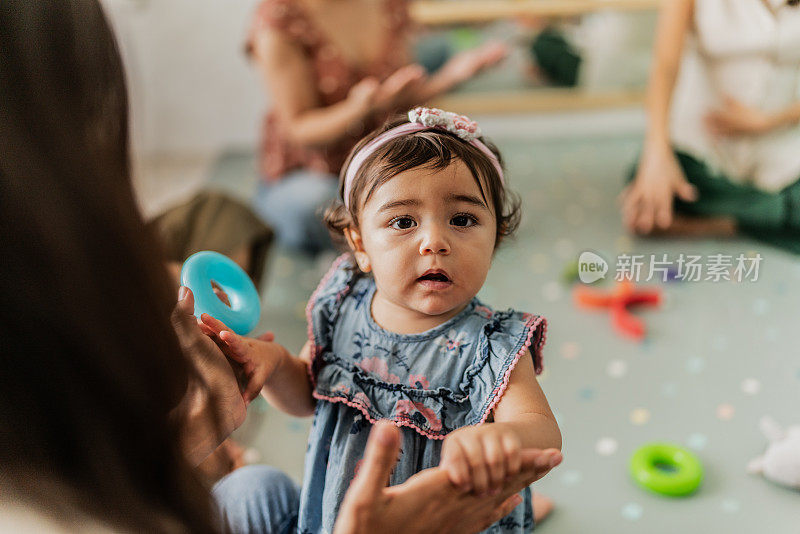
434	242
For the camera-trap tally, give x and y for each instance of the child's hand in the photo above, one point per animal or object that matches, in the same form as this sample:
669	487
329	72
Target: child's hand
258	357
481	458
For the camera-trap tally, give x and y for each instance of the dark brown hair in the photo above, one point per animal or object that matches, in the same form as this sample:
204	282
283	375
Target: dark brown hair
90	365
433	149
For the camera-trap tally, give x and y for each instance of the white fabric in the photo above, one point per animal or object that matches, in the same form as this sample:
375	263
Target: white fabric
748	50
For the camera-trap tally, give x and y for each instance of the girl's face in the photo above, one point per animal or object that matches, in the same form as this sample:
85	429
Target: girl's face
428	237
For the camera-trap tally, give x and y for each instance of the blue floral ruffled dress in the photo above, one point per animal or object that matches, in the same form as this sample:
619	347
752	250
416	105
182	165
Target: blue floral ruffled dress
429	384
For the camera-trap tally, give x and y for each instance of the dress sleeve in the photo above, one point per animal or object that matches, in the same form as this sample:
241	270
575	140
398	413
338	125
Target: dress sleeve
507	338
275	15
322	309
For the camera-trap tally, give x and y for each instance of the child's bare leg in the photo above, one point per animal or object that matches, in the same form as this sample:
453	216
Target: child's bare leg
542	506
686	226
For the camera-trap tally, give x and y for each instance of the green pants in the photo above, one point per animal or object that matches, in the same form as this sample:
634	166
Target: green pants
773	218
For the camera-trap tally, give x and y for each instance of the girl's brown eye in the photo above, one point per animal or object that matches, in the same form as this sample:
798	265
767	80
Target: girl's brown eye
463	221
403	223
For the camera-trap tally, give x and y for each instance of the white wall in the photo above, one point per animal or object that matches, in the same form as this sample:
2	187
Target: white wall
191	88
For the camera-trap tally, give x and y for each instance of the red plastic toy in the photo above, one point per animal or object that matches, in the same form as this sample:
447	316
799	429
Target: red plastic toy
619	300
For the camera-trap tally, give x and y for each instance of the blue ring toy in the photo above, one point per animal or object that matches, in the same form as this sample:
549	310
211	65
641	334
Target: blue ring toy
197	273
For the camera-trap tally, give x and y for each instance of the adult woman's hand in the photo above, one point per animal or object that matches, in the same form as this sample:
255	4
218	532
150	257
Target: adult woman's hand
428	501
213	406
647	201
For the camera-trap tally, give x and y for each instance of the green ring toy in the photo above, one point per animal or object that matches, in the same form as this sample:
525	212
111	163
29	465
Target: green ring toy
666	469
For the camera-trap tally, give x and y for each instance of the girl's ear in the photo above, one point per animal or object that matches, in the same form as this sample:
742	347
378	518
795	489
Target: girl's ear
353	237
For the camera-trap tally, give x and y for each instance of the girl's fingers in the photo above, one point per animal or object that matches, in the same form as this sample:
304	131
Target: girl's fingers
511	447
473	449
495	459
215	324
269	337
455	463
254	385
237	347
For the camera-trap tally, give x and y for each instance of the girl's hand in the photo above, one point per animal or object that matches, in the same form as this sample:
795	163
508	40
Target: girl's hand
647	201
736	119
468	63
258	357
481	458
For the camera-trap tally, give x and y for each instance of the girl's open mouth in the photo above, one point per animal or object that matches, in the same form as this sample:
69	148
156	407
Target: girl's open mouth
435	279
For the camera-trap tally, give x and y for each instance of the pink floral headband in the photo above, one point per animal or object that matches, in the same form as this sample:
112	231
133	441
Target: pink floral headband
421	119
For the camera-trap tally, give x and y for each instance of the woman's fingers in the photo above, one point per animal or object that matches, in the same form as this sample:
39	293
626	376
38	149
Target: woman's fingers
504	509
380	457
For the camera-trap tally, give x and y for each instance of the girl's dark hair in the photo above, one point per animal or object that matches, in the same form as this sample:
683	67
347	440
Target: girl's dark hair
431	149
90	366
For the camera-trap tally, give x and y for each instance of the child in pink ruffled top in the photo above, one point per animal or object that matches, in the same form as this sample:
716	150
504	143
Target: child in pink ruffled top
396	331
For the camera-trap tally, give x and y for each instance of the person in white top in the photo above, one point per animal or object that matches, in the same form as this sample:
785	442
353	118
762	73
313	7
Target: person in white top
722	150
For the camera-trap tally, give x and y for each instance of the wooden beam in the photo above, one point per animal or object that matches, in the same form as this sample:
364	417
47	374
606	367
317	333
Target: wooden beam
434	12
538	100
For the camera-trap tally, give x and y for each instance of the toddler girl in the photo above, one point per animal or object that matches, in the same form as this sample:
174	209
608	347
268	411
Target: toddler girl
395	329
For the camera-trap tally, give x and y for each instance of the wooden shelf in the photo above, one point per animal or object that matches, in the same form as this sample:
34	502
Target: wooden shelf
539	100
433	12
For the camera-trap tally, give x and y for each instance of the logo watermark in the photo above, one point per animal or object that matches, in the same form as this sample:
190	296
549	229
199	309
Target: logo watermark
591	267
683	267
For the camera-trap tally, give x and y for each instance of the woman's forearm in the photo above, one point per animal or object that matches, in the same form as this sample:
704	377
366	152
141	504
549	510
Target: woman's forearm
326	125
673	24
289	387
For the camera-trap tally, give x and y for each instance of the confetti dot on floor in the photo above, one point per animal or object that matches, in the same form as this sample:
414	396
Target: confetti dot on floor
632	511
760	306
570	350
586	393
571	477
751	386
552	291
697	441
251	456
606	446
640	416
565	248
669	389
695	365
725	412
730	506
617	368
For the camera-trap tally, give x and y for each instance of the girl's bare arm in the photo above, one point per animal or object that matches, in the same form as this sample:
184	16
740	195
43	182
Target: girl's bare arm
525	410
